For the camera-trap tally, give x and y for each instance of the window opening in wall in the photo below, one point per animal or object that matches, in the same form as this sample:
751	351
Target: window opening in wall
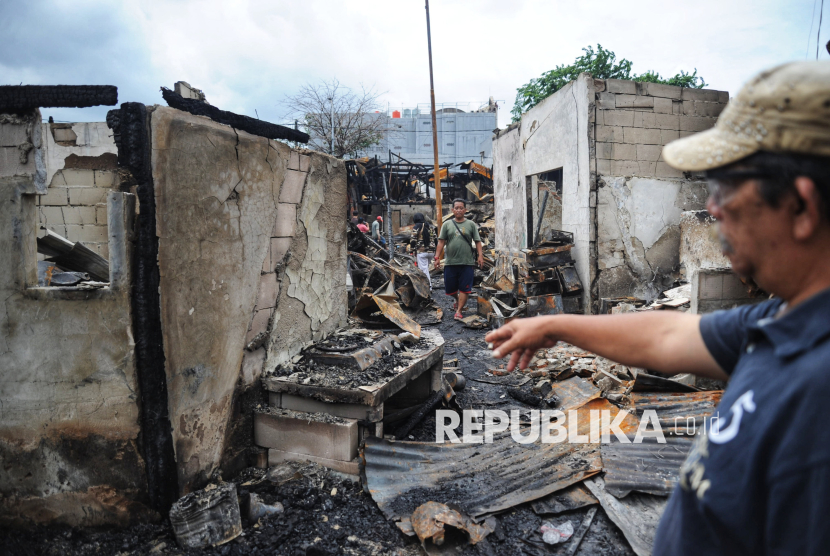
73	233
509	173
552	181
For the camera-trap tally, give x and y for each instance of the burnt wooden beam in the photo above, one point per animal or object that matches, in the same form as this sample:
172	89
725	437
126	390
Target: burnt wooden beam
130	125
21	97
245	123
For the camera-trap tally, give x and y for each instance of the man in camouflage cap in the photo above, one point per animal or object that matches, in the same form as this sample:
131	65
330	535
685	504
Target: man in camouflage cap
759	481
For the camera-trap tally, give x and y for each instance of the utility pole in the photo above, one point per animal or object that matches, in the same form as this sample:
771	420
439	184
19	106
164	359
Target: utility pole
436	173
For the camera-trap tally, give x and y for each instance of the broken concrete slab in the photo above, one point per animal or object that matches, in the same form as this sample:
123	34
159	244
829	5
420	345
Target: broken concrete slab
422	360
313	434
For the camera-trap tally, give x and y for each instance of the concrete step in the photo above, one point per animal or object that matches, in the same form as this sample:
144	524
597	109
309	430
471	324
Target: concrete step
345	410
311	434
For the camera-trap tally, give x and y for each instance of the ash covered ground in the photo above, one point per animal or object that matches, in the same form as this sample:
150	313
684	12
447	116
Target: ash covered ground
327	514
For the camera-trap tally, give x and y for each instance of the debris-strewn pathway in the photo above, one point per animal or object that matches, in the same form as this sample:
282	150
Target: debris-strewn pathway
325	514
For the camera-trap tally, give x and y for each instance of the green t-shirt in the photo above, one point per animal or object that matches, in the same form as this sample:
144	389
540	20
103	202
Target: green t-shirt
459	251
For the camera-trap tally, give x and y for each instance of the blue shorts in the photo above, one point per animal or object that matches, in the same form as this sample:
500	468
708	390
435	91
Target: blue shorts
458	278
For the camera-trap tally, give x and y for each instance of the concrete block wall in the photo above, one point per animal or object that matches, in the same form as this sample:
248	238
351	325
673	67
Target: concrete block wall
81	168
75	206
285	226
635	120
699	244
714	289
640	198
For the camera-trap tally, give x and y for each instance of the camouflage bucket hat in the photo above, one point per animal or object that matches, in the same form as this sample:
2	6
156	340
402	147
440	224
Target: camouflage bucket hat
784	109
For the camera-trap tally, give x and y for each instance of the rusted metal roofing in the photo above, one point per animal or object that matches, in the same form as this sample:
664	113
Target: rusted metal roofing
482	479
647	467
574	392
681	413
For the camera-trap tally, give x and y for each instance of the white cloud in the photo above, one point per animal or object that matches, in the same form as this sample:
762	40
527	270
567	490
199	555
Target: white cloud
246	55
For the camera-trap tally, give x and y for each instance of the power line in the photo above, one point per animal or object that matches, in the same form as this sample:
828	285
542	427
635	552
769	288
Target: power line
810	34
818	36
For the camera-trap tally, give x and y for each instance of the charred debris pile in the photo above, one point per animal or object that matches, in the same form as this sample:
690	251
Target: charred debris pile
462	492
542	281
372	181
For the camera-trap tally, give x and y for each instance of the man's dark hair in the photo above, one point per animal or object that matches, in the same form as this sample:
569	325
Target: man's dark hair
361	221
777	174
459	200
418	218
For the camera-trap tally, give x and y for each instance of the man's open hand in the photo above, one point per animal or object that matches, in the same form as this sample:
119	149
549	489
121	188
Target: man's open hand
522	338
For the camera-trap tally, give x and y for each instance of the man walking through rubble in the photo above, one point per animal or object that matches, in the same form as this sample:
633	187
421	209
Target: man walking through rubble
377	231
759	481
457	234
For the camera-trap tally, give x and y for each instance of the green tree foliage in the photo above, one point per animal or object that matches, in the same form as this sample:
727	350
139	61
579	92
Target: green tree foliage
601	64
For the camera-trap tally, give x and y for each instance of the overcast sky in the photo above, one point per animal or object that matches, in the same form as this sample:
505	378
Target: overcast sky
246	55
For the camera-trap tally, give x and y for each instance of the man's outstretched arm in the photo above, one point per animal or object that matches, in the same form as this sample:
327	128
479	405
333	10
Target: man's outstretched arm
664	341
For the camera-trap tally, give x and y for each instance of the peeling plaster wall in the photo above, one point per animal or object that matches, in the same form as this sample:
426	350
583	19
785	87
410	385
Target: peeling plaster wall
69	428
313	299
639	233
699	244
235	214
510	199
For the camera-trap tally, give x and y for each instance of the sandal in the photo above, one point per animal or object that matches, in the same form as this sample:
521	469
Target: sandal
458	316
455	305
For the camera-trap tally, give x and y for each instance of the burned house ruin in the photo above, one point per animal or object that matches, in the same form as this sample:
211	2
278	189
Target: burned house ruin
595	147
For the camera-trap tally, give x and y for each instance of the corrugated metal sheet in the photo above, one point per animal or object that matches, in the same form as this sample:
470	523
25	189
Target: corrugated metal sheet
571	498
637	515
647	467
574	392
678	410
481	479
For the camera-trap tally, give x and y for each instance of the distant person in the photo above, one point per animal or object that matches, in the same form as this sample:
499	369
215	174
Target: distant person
362	226
458	235
377	230
355	219
422	240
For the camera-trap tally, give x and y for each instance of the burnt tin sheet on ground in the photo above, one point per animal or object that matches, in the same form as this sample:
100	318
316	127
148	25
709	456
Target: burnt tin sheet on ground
648	467
679	413
637	515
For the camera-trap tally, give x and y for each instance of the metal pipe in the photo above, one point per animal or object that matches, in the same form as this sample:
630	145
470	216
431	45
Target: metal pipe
535	238
389	210
438	217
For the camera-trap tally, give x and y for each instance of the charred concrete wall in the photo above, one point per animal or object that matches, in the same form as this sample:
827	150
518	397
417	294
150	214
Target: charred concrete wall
640	198
69	429
510	198
555	134
81	168
252	252
699	244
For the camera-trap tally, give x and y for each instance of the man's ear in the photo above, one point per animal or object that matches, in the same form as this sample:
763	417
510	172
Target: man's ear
807	217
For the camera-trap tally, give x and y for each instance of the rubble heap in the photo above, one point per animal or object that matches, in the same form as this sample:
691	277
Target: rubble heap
542	282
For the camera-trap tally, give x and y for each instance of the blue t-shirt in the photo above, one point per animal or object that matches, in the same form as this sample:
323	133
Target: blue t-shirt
759	482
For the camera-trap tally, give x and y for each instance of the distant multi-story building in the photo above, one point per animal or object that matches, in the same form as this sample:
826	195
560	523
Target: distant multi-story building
465	132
